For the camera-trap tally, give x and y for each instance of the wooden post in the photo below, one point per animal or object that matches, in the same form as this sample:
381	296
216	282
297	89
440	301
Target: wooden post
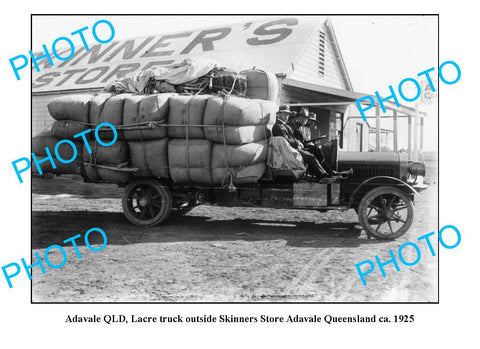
421	138
415	137
395	132
332	125
409	136
377	127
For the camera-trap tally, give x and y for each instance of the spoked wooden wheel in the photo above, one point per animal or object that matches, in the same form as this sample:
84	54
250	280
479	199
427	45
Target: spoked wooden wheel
386	212
146	202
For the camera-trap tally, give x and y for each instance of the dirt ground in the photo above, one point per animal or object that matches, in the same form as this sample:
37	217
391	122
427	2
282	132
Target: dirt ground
217	254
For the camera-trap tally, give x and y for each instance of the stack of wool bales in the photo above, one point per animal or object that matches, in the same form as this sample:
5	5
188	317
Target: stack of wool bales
77	113
147	139
189	153
240	128
206	139
216	140
106	107
71	114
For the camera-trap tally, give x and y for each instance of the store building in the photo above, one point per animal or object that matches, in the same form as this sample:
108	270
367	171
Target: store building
302	51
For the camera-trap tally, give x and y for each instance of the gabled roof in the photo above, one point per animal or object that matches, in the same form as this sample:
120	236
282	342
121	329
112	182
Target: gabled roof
327	51
339	54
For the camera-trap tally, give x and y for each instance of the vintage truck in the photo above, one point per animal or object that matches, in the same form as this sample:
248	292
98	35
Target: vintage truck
381	189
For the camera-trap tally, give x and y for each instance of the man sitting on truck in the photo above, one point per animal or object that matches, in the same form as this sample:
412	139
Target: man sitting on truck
282	129
299	123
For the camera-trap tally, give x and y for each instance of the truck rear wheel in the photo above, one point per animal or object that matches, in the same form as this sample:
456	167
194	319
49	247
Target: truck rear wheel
386	212
146	202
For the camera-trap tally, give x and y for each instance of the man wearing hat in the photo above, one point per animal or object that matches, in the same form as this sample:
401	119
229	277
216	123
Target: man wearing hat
299	124
282	129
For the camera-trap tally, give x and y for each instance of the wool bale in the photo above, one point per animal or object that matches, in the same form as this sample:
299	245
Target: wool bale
189	161
96	106
70	107
142	109
150	157
106	107
98	174
236	111
186	111
112	176
65	150
239	155
74	167
115	155
45	140
66	129
261	85
241	175
131	108
112	155
237	134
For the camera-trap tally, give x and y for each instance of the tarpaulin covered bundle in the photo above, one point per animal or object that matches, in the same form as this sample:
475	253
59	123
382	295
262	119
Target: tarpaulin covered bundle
283	160
238	120
229	81
106	164
199	76
176	74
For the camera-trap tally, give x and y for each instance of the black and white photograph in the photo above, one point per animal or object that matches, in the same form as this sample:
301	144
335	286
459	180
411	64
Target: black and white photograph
235	159
238	174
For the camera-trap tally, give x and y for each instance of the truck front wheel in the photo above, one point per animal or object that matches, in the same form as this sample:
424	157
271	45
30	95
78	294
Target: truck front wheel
386	212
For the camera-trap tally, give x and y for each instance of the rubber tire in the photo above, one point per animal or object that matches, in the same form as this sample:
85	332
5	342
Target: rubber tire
166	197
368	197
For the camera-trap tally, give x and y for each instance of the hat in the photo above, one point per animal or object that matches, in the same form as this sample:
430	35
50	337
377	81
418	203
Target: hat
284	109
303	112
312	116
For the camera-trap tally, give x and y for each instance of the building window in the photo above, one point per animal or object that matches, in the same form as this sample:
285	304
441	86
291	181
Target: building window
321	53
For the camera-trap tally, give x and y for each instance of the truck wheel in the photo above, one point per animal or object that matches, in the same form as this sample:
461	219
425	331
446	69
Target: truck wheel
146	202
386	212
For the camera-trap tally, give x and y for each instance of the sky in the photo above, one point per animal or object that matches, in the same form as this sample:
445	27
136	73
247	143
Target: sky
378	50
